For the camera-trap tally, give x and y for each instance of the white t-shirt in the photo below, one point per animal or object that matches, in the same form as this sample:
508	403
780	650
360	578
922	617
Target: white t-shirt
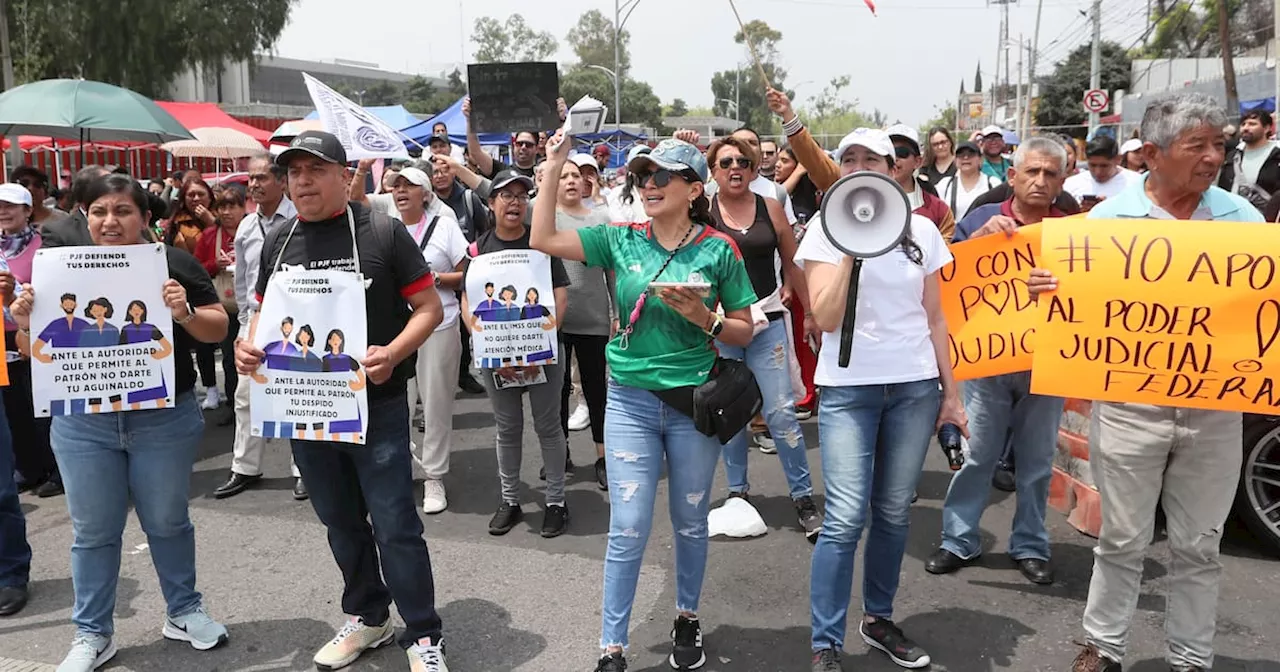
964	198
1082	184
444	251
1251	161
891	341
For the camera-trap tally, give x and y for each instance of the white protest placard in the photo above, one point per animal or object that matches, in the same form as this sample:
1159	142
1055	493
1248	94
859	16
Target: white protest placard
362	134
101	336
312	327
512	309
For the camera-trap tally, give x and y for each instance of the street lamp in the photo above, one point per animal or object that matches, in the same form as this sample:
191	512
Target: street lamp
619	20
729	103
617	91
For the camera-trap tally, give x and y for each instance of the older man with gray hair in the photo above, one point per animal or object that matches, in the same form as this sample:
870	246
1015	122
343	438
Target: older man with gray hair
1002	410
1186	459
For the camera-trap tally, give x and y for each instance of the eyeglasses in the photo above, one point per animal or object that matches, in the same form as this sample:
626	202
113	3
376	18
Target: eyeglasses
727	162
508	197
525	144
661	177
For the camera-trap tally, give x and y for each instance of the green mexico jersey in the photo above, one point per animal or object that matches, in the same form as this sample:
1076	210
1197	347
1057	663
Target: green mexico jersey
665	350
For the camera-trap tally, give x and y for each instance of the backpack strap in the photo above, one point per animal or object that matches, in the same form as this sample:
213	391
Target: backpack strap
426	238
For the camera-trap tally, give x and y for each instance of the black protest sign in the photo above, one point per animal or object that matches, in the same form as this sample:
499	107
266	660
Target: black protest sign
510	97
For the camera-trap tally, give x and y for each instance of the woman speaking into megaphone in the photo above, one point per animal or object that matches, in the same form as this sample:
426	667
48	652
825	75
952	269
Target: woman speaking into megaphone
873	412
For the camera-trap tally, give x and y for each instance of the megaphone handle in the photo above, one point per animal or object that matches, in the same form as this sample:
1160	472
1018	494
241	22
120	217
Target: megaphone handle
850	315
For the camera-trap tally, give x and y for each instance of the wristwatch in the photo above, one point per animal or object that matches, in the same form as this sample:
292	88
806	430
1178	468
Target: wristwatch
716	327
191	315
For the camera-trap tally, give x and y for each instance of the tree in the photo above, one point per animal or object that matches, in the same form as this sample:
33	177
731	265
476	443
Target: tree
592	42
457	87
946	118
510	42
639	103
1062	91
141	45
743	85
678	108
1185	29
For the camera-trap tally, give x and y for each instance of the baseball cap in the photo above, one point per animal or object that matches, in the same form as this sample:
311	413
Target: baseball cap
507	177
967	146
583	161
438	137
875	140
1130	145
906	132
638	150
601	150
320	144
675	155
993	130
15	194
415	176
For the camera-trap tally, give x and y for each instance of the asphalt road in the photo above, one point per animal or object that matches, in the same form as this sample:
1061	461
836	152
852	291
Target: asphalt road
525	603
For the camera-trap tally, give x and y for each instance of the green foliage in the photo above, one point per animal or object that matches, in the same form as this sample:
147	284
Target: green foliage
512	41
141	45
592	41
946	118
639	104
1061	93
1187	29
743	86
678	108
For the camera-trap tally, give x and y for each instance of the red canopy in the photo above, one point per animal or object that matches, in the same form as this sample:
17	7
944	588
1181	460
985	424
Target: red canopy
190	115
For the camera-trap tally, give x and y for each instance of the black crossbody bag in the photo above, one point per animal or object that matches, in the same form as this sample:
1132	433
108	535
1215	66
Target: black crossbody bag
720	407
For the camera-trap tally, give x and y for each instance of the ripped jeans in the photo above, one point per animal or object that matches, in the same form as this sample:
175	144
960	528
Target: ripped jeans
640	431
766	356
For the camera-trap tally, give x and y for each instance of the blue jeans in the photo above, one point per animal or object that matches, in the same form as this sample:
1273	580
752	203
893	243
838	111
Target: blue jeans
997	407
874	441
15	553
351	485
640	431
766	356
107	461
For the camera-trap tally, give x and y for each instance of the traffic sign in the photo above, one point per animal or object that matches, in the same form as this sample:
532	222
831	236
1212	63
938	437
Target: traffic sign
1096	100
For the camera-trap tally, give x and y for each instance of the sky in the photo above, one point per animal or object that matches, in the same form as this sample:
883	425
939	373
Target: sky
907	62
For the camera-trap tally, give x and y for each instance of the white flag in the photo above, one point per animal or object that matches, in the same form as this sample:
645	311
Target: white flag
362	134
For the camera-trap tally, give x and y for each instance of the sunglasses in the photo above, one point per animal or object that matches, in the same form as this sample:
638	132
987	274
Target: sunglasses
661	177
727	162
903	152
525	144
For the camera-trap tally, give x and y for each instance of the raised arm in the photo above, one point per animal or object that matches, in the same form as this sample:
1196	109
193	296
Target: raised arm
822	170
543	235
478	156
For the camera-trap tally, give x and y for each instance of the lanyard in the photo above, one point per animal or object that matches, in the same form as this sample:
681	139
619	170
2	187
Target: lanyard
351	222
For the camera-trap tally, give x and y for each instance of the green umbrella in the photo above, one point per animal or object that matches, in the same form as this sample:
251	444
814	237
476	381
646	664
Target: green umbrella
77	109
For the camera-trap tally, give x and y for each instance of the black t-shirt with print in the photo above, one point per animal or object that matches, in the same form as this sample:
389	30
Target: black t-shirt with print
490	242
388	258
191	275
500	165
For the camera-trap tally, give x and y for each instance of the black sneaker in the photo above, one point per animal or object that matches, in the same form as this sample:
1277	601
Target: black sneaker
468	384
602	475
508	516
1003	479
686	645
49	488
555	521
884	635
810	519
826	660
613	662
740	495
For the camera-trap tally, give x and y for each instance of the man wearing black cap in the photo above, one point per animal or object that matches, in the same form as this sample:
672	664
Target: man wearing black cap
345	480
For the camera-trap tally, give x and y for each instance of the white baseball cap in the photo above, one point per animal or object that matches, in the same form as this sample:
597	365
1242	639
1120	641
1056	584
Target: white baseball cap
415	176
993	130
1130	145
871	138
904	131
583	161
15	194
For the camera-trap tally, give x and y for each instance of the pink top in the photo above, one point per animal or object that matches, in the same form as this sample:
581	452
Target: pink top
20	266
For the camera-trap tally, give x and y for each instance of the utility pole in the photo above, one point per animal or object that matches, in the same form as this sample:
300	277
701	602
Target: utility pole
1002	50
1017	96
1031	68
619	20
1274	58
1228	68
1095	61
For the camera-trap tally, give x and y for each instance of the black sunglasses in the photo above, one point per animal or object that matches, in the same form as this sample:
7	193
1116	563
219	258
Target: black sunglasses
903	152
525	143
727	162
661	177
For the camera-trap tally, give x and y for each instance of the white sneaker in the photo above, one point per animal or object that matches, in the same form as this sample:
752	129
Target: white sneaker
426	656
88	652
212	399
352	640
580	419
433	497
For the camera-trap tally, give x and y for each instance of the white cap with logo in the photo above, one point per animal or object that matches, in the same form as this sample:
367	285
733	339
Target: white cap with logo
15	194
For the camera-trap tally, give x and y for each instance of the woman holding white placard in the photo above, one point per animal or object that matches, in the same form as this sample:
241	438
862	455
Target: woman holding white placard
108	460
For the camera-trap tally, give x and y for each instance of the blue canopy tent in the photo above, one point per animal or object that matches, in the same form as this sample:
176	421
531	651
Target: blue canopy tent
1261	104
394	116
619	142
456	122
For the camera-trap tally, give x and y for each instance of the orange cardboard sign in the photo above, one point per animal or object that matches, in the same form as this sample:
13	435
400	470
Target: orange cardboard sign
991	318
1170	313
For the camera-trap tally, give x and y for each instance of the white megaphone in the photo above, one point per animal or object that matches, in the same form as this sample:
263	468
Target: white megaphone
864	215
